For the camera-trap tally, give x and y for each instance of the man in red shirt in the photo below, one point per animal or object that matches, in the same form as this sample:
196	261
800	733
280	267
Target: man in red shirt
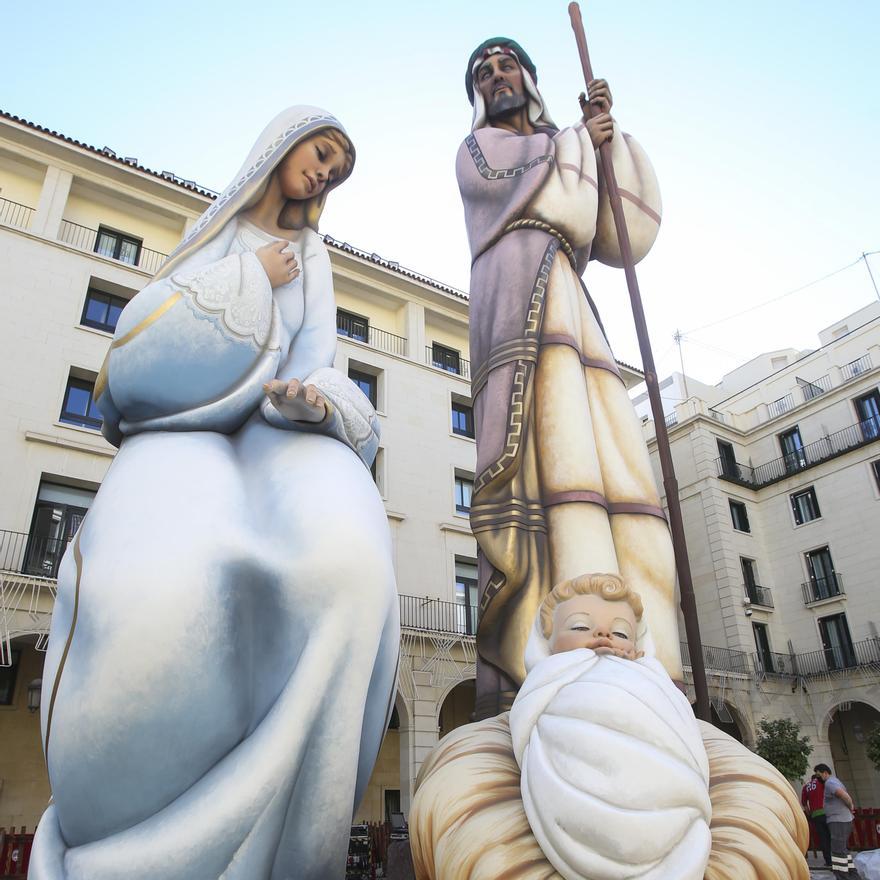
813	802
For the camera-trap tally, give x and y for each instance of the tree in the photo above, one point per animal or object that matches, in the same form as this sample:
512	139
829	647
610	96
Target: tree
872	747
779	743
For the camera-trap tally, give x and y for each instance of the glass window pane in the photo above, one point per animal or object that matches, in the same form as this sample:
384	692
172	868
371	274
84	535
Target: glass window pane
128	253
114	310
96	308
106	244
77	401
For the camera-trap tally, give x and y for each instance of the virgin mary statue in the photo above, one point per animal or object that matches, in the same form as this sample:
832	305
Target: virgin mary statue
223	651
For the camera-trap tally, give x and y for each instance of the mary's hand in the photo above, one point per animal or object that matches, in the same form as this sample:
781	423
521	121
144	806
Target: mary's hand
295	401
280	267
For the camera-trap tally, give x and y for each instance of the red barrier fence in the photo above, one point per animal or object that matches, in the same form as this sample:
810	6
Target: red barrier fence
15	852
865	831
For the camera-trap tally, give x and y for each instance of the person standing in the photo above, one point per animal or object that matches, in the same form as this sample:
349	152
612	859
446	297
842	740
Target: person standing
813	801
838	814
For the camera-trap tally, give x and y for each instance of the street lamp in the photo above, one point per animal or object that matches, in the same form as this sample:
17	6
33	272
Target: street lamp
35	690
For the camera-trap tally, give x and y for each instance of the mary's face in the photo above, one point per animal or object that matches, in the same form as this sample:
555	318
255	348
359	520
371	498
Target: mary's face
310	167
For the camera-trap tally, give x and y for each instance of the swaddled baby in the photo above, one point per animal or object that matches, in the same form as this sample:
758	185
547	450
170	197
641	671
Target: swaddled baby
614	773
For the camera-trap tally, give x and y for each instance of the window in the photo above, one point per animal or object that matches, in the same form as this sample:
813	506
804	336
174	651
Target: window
79	406
837	642
762	645
793	450
464	489
58	512
462	419
392	801
868	409
805	506
875	467
102	310
739	515
749	580
353	326
8	675
466	596
367	383
118	246
446	358
823	580
728	459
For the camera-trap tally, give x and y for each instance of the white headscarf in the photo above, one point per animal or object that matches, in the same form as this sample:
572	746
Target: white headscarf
538	114
277	139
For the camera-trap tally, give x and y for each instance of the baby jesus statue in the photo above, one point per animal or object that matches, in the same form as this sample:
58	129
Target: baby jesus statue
600	770
615	778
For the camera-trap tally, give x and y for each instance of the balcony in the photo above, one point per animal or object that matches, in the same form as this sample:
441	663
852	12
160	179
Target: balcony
855	368
436	616
35	555
758	595
458	366
671	419
813	388
719	659
359	330
814	664
778	407
15	215
819	589
85	239
851	437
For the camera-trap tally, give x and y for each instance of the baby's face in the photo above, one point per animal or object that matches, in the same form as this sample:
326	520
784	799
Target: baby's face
590	621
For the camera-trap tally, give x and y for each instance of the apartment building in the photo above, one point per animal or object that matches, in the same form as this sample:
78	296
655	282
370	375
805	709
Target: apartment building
779	476
81	231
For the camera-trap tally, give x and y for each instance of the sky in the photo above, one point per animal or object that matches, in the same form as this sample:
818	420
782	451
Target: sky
762	120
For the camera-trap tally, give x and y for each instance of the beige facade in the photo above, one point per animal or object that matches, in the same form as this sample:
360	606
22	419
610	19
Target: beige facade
779	477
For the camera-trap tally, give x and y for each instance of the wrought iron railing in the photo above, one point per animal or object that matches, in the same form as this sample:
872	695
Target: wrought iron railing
671	419
773	663
855	368
459	367
361	331
813	388
435	615
719	659
14	214
864	654
759	595
32	554
819	589
780	406
820	450
85	239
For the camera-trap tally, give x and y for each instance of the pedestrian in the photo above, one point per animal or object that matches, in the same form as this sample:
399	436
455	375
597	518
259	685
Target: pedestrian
838	815
813	801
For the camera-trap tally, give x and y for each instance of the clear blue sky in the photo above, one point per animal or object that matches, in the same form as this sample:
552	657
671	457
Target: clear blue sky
762	120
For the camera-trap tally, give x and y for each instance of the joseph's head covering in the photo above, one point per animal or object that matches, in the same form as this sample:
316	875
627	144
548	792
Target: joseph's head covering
538	115
490	47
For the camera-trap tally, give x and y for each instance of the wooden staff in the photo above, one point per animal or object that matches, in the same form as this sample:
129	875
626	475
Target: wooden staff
670	484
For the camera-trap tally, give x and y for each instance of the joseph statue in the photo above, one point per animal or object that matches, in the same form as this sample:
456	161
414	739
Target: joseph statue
564	484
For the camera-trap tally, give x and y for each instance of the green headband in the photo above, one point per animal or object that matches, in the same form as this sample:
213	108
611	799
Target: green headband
482	51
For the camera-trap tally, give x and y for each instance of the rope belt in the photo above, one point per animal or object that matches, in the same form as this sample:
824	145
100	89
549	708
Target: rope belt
526	223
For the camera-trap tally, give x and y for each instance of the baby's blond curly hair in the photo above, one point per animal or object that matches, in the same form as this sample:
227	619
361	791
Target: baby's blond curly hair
609	586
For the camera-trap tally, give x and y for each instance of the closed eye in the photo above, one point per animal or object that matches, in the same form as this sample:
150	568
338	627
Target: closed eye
580	627
621	635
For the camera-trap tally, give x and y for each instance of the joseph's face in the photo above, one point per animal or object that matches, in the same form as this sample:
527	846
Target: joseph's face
500	81
589	621
310	167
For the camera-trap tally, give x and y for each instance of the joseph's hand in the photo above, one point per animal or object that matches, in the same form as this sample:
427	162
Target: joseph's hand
600	96
295	401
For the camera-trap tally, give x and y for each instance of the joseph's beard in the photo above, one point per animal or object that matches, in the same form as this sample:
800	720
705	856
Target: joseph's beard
505	104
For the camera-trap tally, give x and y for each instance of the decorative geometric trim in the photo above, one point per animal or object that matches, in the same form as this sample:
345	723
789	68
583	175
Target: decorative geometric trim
500	173
522	373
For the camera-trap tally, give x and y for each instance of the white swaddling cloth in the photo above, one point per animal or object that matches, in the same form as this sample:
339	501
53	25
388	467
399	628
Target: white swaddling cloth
614	773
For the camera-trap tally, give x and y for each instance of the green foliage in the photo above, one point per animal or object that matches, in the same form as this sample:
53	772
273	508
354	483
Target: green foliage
872	747
779	743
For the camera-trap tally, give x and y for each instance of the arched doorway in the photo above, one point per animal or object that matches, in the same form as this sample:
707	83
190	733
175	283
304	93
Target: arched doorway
848	729
383	794
725	719
22	769
457	707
